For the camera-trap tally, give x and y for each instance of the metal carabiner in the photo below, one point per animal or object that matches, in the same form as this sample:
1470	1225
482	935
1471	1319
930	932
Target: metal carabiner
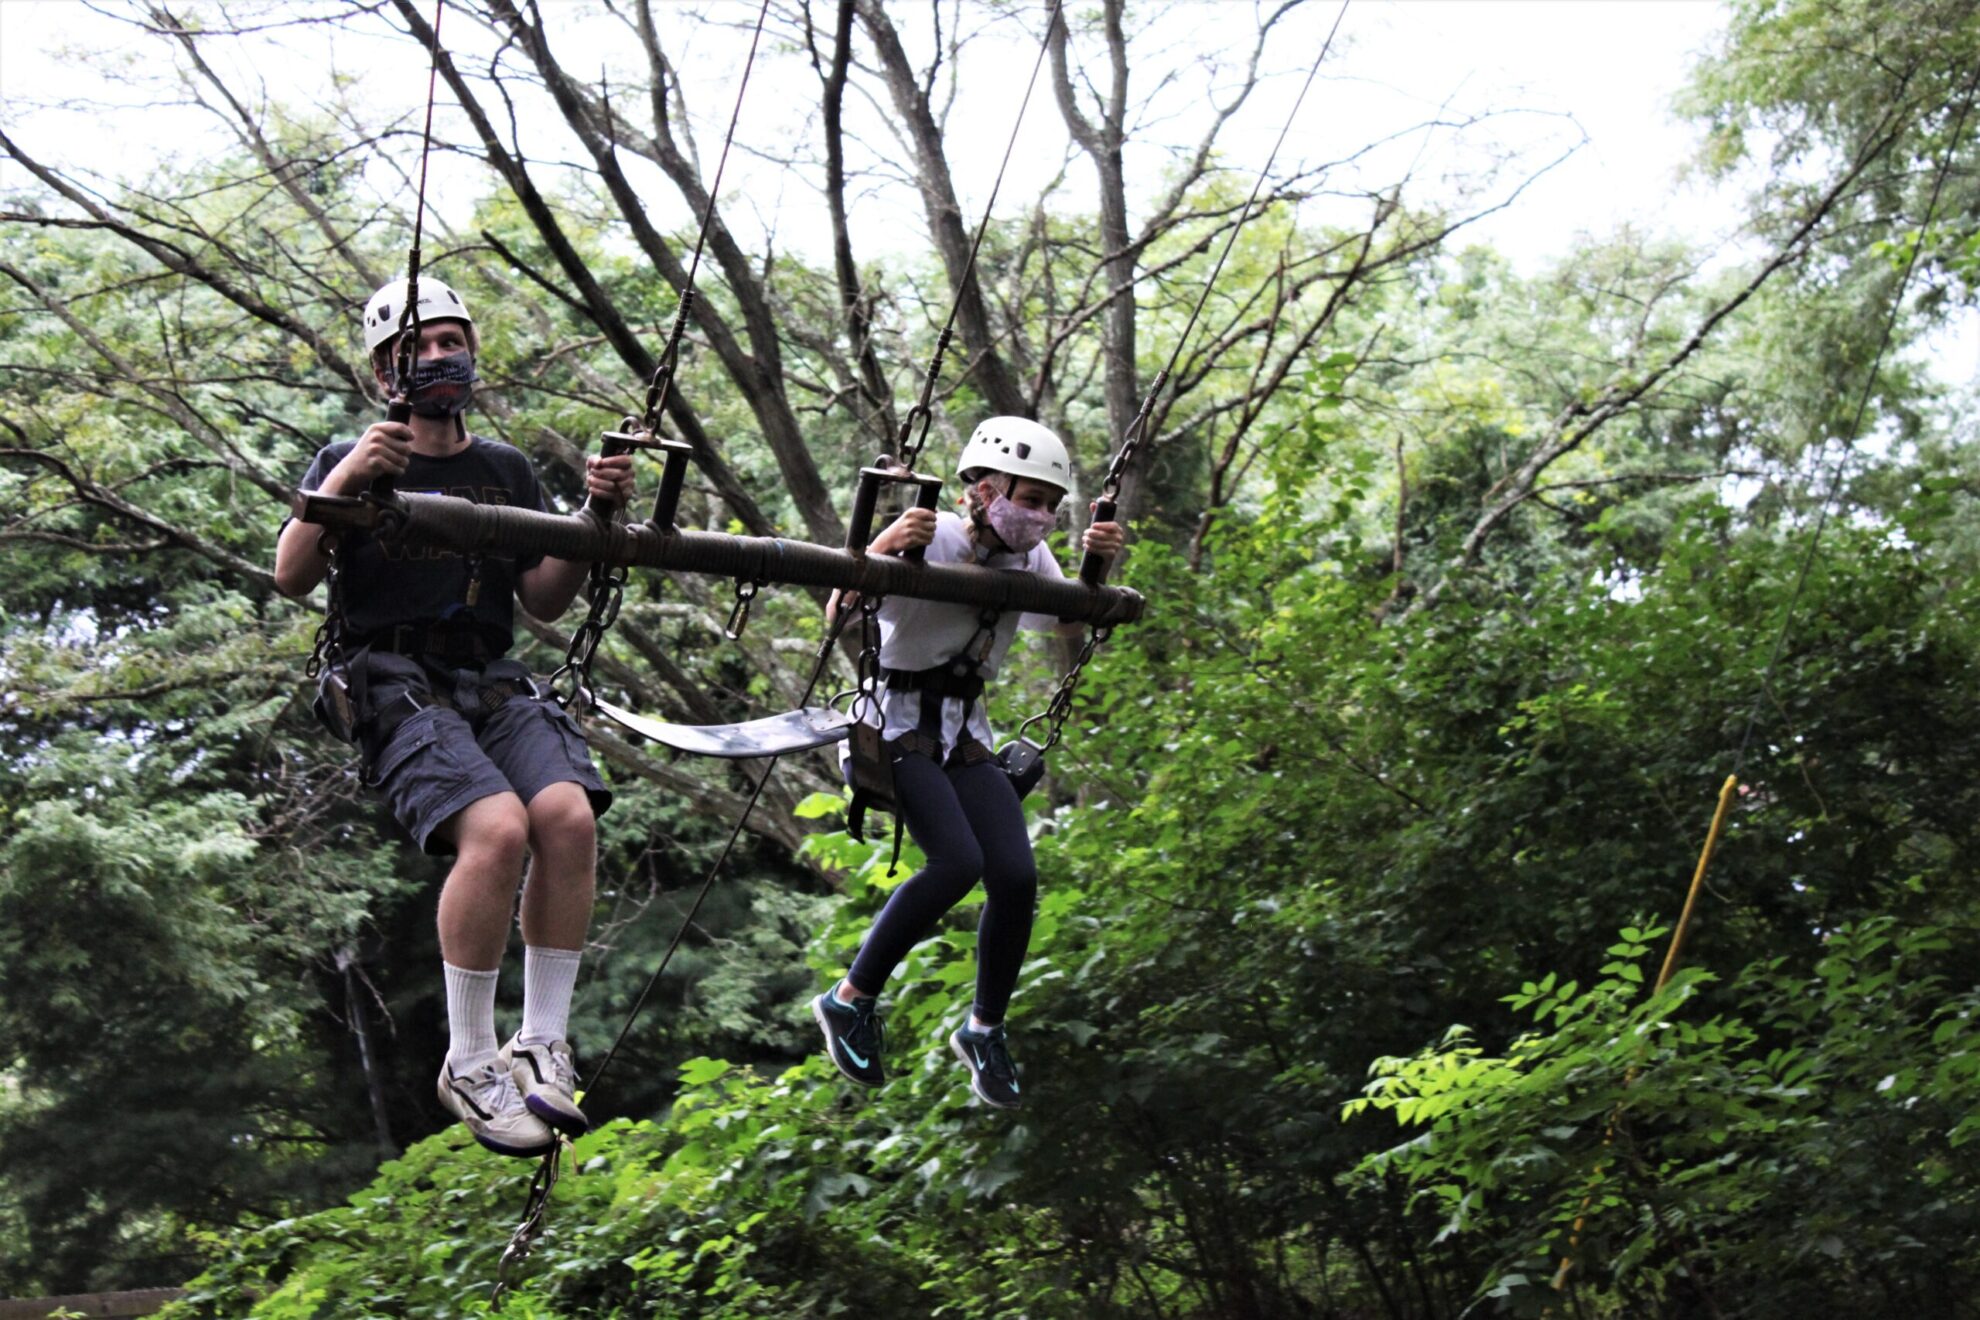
739	616
524	1238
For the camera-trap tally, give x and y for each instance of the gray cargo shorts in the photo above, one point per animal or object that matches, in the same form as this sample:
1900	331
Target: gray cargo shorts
477	732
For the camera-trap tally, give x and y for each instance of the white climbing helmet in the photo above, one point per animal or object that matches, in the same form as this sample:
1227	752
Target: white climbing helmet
382	315
1019	447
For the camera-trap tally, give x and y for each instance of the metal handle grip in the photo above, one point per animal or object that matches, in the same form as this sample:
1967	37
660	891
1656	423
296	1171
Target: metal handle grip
606	510
673	479
396	410
1093	568
927	497
859	528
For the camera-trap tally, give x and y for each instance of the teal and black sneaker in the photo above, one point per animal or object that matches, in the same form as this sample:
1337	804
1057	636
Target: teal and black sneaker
992	1075
854	1036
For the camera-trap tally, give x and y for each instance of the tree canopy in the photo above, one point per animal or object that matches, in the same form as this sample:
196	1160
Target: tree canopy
1468	586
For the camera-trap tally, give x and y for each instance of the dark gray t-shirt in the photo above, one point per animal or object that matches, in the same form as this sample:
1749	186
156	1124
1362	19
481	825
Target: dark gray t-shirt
385	586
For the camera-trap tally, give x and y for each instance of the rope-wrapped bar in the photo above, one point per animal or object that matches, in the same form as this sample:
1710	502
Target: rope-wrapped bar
467	527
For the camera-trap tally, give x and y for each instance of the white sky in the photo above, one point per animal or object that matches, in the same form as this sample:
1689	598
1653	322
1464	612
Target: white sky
1553	70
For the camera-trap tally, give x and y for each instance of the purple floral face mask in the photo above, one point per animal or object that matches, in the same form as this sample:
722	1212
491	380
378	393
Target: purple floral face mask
1016	526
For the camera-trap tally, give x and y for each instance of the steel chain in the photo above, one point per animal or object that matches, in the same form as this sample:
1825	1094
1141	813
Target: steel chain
662	384
913	435
523	1240
329	639
1060	707
866	672
1110	485
571	683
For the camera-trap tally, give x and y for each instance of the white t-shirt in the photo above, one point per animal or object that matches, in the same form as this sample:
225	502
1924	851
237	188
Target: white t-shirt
920	634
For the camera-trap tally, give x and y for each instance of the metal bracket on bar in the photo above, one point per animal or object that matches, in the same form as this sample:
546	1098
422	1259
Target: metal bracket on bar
866	498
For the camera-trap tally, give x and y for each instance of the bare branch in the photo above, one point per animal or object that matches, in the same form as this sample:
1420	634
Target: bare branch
1582	418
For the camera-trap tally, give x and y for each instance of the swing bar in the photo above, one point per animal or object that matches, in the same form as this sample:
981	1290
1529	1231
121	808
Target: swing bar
470	528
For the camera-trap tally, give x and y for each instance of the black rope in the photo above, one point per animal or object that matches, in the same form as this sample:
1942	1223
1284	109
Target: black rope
1855	427
817	672
909	443
407	349
663	372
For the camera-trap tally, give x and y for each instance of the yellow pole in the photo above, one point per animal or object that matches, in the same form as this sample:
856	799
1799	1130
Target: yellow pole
1697	880
1726	791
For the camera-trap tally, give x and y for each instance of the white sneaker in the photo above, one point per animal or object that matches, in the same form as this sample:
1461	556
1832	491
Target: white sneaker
487	1101
546	1074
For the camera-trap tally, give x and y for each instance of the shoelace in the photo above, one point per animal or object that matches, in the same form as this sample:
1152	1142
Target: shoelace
997	1059
563	1071
492	1088
868	1034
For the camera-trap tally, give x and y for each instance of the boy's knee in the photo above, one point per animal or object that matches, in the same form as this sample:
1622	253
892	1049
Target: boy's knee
561	816
495	829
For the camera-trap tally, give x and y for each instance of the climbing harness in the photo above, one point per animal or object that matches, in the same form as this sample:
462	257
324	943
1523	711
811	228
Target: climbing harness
1730	787
335	707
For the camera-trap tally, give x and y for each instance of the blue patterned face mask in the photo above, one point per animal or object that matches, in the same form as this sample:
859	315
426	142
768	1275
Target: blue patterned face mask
440	387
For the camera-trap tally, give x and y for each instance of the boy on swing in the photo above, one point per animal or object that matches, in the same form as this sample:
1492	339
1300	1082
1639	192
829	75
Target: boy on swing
953	797
471	757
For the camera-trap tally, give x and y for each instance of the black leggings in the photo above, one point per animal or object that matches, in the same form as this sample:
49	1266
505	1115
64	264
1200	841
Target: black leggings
968	822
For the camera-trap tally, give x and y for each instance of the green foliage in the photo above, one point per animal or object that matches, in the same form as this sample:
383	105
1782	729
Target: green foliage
1295	830
1734	1144
131	985
1321	857
1811	81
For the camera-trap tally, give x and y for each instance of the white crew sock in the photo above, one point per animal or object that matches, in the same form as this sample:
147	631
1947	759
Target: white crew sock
470	1019
548	978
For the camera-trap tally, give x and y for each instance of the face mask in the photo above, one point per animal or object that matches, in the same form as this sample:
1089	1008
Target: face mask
440	387
1016	526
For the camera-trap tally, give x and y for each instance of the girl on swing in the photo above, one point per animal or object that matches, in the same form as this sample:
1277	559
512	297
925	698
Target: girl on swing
953	797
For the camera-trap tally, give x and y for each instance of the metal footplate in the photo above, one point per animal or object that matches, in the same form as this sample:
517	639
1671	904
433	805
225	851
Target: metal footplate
774	735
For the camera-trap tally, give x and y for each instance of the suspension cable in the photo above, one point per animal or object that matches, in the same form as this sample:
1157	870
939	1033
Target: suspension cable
908	443
823	661
662	383
606	585
1131	438
328	645
1093	567
406	351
